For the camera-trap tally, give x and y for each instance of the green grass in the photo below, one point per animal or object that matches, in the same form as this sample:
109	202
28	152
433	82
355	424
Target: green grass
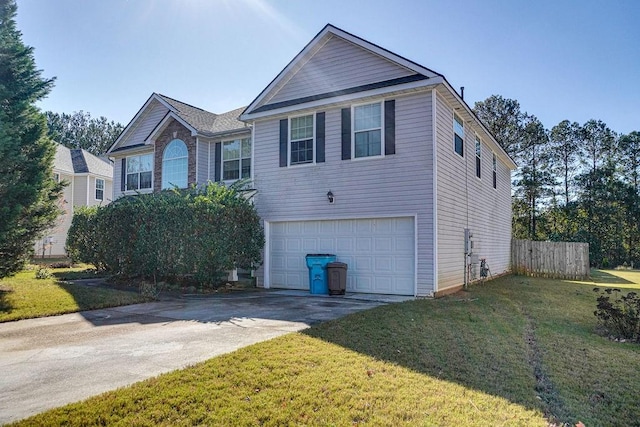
515	351
23	296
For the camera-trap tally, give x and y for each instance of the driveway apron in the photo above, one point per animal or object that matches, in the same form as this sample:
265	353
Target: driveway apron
52	361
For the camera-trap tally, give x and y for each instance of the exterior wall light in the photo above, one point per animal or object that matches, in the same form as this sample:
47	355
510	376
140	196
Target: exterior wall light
330	196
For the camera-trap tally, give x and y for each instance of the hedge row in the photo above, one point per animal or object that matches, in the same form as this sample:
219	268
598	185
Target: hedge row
200	232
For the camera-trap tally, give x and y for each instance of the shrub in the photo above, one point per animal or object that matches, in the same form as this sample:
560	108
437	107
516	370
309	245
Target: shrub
200	232
619	317
43	273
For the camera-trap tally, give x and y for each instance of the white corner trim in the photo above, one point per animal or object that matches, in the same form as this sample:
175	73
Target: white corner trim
434	101
267	257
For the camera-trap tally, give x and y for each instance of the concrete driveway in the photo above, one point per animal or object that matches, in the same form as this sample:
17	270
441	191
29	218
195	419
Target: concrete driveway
49	362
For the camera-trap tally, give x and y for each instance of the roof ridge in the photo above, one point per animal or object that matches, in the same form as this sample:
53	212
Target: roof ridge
188	105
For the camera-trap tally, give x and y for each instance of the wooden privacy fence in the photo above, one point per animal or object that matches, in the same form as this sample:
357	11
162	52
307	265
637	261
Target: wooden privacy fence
559	260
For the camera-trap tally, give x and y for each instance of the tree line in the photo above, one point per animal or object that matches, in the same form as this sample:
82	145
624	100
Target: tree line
574	182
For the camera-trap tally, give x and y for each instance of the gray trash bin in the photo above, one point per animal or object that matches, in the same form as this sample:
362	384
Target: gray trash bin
337	275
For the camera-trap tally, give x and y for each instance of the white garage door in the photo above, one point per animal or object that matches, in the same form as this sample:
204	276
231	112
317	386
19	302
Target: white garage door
380	252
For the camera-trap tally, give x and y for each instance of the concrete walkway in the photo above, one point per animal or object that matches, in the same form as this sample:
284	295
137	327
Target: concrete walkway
49	362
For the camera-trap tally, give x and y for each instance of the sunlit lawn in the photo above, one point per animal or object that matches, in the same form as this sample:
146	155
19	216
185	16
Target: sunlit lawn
515	351
23	296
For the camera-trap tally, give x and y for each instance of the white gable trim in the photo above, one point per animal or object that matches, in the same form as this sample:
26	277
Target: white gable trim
314	45
163	124
139	114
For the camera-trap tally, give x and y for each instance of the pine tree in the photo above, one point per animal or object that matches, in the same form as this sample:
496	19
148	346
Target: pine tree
28	193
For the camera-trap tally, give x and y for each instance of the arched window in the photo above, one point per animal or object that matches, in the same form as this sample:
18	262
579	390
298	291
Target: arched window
175	165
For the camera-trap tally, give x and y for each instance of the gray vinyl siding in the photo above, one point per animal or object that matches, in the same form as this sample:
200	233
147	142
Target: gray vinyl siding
80	188
394	185
144	125
464	201
117	178
117	174
339	64
202	162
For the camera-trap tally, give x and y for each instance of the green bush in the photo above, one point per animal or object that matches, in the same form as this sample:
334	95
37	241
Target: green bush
200	232
619	317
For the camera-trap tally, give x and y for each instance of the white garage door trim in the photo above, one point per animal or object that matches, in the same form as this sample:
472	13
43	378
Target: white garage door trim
268	234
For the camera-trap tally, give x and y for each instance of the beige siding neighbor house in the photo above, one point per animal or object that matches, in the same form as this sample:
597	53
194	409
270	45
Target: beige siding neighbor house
353	151
90	183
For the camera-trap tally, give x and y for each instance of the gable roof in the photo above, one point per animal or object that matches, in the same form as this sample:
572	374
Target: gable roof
420	76
416	74
197	120
78	161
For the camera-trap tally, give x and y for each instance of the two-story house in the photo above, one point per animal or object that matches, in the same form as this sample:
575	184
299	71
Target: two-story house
353	150
89	183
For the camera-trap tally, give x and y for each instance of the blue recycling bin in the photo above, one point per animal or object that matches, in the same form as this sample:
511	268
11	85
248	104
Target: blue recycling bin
317	263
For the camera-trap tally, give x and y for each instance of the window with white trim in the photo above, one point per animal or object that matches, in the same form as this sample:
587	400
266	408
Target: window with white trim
139	172
99	189
478	157
301	140
458	135
175	165
367	130
236	159
495	171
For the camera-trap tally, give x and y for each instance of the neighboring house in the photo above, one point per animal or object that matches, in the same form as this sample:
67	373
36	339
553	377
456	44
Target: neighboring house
353	150
89	183
172	144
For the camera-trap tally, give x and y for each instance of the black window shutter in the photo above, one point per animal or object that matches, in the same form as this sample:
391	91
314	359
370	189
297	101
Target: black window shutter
346	133
217	161
123	175
320	138
390	127
284	137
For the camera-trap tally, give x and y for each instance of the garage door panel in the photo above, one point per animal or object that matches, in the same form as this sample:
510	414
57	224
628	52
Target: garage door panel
379	252
384	244
383	265
363	244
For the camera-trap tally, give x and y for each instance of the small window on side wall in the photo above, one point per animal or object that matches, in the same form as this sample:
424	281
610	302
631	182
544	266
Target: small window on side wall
458	132
99	189
495	171
478	157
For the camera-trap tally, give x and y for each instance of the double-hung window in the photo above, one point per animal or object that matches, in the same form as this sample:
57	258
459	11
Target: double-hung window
495	171
99	189
139	170
458	132
301	140
236	159
367	130
478	157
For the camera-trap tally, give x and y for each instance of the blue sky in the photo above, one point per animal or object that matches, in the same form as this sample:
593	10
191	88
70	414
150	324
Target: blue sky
561	59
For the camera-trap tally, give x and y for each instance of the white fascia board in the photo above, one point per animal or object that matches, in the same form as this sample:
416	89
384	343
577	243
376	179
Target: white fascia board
161	126
344	98
134	121
384	53
501	153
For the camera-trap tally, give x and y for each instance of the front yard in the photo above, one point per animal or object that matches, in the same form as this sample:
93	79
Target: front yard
515	351
24	296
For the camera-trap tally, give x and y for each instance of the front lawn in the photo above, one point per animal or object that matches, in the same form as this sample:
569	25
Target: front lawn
23	296
515	351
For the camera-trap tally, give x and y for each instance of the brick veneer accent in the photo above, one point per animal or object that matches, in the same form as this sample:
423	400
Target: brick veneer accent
163	140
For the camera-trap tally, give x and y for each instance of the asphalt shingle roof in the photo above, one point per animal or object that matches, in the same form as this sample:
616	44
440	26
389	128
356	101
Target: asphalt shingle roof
80	161
205	122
